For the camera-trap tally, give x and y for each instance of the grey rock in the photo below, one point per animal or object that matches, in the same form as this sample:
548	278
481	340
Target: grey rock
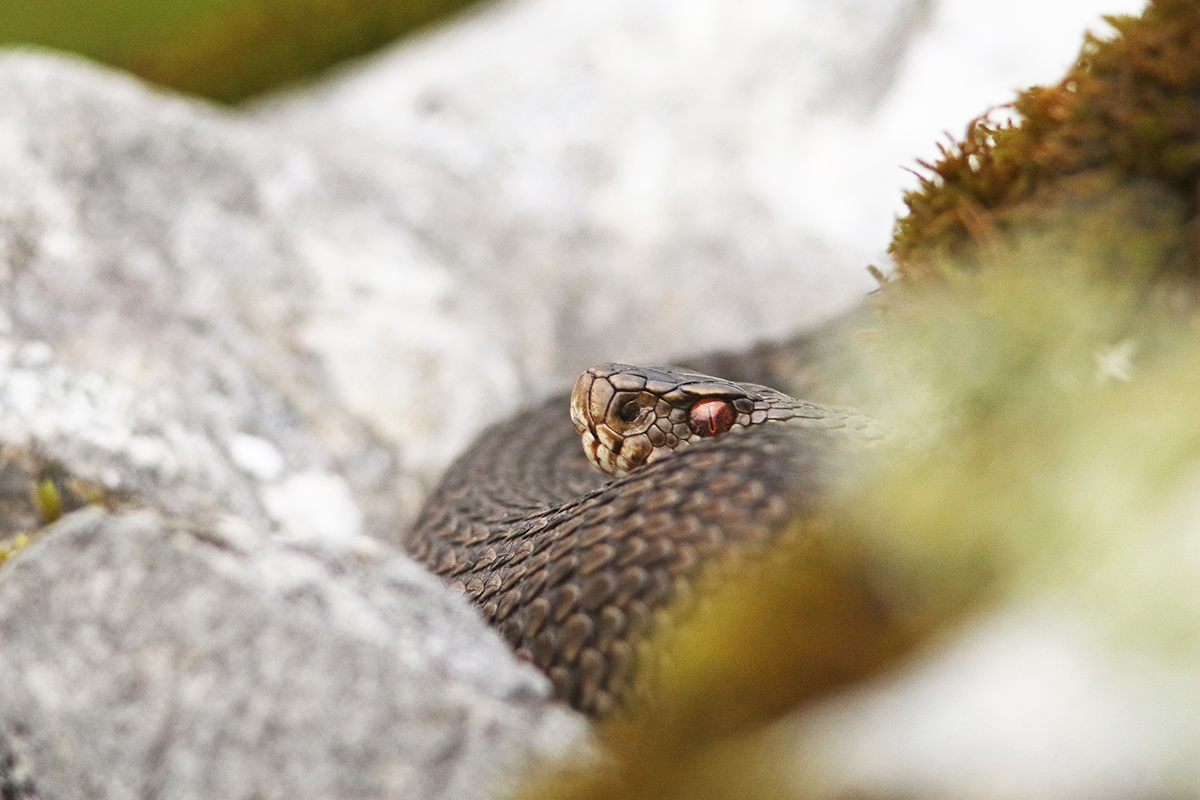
146	305
147	658
637	190
328	306
1035	700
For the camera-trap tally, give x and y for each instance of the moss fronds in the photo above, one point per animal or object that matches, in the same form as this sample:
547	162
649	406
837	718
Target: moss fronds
47	500
1129	107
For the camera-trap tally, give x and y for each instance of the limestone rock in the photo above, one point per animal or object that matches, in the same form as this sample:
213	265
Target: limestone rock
146	657
146	289
635	166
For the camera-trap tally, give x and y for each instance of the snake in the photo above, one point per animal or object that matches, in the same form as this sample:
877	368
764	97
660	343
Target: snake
577	526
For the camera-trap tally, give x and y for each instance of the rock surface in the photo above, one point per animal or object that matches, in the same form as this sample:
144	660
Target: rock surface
636	185
1031	701
186	662
147	307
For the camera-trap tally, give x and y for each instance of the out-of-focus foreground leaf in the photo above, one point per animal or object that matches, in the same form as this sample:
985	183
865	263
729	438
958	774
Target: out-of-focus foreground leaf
222	49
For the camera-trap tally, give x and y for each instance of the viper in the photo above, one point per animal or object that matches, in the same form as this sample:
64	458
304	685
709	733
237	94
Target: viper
581	524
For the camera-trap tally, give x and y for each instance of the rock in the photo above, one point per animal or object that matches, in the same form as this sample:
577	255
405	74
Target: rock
145	657
1035	701
147	292
637	169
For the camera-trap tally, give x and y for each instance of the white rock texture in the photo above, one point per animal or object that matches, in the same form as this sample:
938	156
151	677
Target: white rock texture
635	191
149	298
1036	701
146	658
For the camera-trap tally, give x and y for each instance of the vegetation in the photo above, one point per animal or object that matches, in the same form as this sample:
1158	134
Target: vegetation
226	50
1126	114
35	492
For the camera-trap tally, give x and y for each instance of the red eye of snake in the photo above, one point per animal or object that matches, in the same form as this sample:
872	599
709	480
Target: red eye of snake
711	417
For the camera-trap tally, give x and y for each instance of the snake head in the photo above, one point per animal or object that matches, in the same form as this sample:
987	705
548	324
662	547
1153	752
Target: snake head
630	416
613	417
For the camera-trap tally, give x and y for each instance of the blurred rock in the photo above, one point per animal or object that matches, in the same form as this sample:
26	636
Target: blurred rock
150	298
162	266
1035	702
143	657
635	167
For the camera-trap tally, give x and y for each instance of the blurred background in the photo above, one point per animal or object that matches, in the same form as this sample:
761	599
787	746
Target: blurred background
226	50
968	57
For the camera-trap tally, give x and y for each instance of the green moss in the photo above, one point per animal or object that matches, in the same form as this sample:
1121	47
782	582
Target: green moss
234	53
48	501
1129	108
227	50
36	491
11	546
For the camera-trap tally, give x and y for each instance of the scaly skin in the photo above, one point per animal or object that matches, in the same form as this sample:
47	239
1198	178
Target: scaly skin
577	569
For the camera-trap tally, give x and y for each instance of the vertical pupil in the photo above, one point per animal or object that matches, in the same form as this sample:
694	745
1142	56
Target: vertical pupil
711	417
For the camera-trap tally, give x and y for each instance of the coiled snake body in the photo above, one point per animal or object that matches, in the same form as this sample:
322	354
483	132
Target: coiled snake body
574	566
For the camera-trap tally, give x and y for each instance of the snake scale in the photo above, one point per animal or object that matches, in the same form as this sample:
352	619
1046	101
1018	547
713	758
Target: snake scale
576	568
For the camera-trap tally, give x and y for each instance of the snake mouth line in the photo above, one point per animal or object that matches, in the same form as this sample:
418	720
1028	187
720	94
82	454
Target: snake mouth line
591	445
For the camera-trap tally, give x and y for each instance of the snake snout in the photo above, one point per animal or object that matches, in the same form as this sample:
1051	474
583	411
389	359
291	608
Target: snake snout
612	415
580	402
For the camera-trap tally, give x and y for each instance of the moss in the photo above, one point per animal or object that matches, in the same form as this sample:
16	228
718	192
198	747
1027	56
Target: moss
48	501
36	491
227	50
1129	109
233	53
13	545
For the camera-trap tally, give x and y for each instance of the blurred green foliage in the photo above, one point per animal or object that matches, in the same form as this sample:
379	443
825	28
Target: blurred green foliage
1046	451
226	50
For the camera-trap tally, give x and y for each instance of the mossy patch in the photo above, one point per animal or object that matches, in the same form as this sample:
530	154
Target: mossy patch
1129	108
36	491
227	50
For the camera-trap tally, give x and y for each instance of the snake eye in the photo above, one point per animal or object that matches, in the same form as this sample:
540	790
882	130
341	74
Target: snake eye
711	417
629	412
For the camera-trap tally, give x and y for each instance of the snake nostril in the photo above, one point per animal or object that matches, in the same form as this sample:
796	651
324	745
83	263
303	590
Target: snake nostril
711	417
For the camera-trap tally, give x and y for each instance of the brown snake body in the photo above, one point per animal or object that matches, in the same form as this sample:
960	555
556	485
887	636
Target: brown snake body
574	567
